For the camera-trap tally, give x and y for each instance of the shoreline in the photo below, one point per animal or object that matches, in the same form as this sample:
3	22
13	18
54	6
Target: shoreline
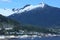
26	36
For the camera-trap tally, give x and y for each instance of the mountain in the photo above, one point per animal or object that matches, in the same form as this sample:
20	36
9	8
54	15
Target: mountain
40	15
5	22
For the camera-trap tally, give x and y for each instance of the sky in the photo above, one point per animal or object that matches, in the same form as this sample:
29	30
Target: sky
21	3
9	4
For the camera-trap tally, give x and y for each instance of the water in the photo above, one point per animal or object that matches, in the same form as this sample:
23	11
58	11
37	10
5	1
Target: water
37	38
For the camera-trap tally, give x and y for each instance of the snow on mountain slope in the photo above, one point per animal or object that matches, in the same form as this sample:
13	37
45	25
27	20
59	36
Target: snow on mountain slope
6	12
30	7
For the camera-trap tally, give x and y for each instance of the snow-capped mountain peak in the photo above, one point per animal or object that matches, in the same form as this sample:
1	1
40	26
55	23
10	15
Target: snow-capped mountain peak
42	4
30	7
41	14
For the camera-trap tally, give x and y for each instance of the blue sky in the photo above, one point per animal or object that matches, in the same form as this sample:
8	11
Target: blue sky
21	3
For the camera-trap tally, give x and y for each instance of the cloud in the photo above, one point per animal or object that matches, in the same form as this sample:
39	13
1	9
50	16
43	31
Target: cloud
6	12
5	0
